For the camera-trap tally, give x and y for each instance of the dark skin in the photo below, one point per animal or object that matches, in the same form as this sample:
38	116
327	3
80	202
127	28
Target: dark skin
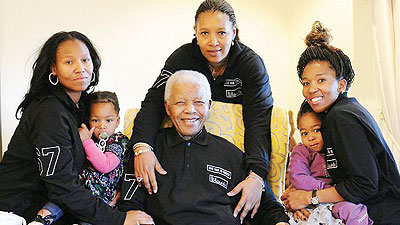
321	88
212	30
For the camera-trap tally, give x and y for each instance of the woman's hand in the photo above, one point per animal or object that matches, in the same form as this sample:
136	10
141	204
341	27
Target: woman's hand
296	199
145	164
251	196
85	133
134	217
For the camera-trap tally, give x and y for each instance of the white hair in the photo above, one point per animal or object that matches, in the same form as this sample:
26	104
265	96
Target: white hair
188	76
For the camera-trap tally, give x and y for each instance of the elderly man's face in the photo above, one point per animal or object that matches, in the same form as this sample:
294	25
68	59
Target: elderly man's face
187	108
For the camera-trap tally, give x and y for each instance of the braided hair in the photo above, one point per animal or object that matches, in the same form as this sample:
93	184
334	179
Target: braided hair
218	6
104	97
319	49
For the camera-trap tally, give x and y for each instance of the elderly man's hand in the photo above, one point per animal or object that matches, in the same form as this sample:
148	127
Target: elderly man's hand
251	196
145	164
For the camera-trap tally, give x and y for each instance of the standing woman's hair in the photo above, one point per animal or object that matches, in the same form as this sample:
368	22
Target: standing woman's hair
40	85
318	49
218	6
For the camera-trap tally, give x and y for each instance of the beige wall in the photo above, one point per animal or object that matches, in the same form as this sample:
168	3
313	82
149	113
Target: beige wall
364	86
135	37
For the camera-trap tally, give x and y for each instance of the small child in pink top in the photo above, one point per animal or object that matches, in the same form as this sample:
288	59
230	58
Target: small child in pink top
307	167
104	149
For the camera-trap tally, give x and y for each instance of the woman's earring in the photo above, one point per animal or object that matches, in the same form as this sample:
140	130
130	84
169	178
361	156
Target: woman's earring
93	77
51	82
233	43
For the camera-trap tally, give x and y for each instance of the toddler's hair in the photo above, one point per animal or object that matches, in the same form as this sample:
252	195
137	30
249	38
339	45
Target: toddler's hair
304	109
104	97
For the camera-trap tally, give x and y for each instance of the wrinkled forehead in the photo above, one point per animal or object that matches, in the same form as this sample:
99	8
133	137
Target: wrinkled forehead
188	89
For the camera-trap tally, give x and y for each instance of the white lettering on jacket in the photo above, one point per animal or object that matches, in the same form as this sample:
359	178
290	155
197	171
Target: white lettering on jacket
331	164
329	152
218	180
233	82
219	170
234	93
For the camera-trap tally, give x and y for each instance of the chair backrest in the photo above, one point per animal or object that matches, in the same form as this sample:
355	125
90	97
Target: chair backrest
226	120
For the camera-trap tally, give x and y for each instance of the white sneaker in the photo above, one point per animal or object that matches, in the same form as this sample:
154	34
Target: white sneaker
11	219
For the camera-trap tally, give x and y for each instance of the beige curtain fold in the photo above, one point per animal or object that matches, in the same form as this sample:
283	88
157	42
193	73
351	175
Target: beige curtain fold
386	31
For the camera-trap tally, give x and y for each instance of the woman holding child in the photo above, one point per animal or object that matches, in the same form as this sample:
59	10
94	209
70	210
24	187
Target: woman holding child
357	157
45	154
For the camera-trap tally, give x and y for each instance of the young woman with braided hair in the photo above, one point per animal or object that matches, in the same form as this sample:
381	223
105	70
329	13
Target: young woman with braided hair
358	159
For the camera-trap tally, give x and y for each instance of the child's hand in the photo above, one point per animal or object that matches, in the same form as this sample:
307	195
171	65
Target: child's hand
84	133
116	198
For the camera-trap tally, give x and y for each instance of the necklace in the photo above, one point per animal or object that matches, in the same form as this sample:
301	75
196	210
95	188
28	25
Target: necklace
219	71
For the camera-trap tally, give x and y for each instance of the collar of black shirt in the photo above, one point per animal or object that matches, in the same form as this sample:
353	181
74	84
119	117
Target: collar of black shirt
173	137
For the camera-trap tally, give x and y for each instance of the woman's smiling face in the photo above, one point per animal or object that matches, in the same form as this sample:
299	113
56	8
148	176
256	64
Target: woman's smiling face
321	88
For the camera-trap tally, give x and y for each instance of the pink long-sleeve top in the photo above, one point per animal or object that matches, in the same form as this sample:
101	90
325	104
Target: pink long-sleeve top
102	162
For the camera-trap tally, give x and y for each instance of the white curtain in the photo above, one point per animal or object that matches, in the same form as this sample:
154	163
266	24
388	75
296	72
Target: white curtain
386	31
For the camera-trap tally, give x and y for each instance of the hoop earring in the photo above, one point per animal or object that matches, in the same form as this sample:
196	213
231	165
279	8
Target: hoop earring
51	82
93	77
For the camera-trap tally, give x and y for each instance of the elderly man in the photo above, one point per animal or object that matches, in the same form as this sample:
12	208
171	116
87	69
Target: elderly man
202	168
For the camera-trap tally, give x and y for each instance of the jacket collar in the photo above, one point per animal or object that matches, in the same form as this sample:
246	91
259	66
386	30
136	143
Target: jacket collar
60	93
340	98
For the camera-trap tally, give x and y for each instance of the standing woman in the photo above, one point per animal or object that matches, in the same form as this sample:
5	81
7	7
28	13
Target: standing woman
236	75
358	159
45	154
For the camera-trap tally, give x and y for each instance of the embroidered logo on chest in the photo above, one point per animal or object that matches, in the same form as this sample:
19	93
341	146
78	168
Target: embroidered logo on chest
236	84
331	162
233	82
234	93
219	176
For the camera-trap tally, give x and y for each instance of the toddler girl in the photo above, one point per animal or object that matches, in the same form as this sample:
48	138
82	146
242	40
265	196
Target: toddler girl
104	150
307	171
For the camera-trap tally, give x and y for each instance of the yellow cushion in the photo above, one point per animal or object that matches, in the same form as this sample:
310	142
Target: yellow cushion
226	121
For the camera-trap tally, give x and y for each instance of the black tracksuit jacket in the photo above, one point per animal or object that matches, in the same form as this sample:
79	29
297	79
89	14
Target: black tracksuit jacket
43	160
360	162
245	81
